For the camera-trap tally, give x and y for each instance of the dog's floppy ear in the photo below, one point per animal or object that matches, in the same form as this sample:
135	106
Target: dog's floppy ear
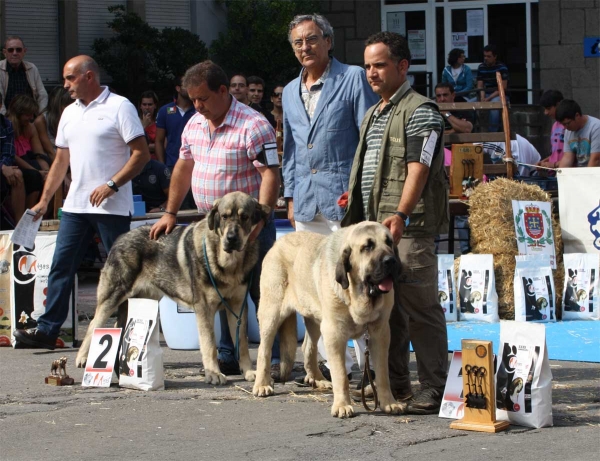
464	273
213	216
342	268
261	213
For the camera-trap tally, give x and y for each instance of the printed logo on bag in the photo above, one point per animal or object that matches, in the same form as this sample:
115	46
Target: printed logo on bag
26	263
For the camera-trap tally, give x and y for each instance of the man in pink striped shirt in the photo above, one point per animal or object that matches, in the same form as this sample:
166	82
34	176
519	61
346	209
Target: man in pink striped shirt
222	150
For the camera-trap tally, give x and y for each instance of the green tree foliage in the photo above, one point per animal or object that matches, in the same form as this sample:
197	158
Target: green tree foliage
140	57
256	41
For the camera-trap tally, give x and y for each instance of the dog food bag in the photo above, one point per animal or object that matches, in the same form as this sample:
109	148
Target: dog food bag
478	299
535	297
140	356
523	376
580	299
30	269
446	287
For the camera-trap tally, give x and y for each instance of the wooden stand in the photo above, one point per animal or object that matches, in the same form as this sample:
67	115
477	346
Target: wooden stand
54	380
479	354
458	170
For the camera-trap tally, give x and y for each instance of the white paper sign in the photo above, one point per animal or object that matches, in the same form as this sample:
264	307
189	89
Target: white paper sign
26	230
579	205
453	402
460	40
533	226
101	358
416	43
396	22
474	22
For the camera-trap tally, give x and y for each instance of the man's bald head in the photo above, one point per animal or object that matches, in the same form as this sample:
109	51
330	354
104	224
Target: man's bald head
82	78
82	64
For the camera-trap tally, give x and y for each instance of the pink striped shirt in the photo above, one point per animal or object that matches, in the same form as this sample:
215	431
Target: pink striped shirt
227	161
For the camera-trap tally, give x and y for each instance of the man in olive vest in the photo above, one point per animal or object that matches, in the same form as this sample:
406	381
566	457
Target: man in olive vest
398	179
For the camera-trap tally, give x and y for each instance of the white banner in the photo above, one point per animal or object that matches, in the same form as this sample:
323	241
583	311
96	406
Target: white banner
579	207
533	225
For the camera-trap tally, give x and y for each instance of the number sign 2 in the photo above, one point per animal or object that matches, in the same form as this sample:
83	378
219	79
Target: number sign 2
101	358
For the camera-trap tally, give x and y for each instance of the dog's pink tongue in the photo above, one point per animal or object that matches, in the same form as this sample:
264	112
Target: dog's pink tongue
386	285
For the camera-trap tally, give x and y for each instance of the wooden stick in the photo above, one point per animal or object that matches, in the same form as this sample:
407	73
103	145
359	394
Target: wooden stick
506	124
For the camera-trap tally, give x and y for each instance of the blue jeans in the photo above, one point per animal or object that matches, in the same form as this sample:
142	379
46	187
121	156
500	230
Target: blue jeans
74	236
226	348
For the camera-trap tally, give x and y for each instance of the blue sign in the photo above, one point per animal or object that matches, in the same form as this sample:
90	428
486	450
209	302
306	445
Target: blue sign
591	47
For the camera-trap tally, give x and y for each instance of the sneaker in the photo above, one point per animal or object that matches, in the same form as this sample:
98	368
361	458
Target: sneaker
34	338
229	367
426	402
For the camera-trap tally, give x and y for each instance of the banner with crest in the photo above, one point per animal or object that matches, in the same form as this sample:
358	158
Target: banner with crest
533	225
579	206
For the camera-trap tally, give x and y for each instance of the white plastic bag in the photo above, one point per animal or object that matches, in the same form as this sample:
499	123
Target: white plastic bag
523	376
478	299
580	295
535	296
140	357
446	287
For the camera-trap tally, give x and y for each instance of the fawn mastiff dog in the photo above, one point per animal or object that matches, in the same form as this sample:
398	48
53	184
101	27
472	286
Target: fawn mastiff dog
343	286
175	265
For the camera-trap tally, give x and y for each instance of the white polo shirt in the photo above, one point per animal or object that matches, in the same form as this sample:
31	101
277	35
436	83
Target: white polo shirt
97	136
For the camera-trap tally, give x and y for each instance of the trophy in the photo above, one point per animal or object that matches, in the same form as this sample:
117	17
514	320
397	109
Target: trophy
58	373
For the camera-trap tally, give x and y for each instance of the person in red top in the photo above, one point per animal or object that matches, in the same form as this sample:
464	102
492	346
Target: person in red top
148	111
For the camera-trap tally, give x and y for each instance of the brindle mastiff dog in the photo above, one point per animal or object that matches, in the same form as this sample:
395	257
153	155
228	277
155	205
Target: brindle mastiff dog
175	266
343	286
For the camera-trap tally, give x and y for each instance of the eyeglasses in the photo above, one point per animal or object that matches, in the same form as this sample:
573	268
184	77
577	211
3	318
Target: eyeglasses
277	95
12	50
310	41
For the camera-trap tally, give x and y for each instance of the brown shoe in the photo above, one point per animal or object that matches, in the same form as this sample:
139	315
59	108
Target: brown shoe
276	372
426	402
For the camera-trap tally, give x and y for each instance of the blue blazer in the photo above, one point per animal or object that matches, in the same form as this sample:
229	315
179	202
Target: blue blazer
318	154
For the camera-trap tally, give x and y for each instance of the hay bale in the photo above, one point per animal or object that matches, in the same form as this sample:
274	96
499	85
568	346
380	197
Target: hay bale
493	232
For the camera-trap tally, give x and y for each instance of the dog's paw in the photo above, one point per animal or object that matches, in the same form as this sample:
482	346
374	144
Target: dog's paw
322	384
394	408
250	375
262	391
342	411
214	378
80	361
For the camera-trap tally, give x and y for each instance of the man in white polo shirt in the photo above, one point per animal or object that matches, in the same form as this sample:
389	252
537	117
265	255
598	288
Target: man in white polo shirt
95	136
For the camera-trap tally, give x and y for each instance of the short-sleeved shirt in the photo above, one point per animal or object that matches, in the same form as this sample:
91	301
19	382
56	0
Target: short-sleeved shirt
487	74
97	136
226	160
584	142
151	184
170	119
468	115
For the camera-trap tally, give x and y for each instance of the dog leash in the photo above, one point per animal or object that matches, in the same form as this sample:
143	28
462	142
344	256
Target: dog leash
367	378
244	303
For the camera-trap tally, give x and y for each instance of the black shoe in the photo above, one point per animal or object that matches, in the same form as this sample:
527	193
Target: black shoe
324	371
34	338
229	368
276	372
426	402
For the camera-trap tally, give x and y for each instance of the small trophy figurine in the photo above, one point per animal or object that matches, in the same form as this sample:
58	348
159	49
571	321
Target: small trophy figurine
58	373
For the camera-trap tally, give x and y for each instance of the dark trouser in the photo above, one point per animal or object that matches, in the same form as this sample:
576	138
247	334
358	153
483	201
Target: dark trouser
226	348
418	317
74	236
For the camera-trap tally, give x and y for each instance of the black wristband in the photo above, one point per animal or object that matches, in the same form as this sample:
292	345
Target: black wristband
171	213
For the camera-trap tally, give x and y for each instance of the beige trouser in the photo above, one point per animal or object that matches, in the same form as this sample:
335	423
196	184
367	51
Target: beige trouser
418	317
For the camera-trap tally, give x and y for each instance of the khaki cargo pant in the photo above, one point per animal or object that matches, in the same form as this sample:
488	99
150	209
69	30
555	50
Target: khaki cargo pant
418	317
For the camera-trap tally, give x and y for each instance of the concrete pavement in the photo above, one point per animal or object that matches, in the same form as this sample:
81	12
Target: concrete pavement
191	420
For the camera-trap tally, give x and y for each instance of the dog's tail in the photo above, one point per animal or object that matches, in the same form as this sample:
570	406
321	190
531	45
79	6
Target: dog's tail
288	341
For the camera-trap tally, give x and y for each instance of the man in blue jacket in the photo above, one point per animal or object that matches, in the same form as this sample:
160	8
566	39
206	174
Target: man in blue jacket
322	112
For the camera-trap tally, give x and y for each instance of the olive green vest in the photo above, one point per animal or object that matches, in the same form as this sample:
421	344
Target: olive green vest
430	216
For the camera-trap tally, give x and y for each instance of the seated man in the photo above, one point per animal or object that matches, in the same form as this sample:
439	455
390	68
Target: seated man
486	82
549	101
456	121
582	136
521	149
153	185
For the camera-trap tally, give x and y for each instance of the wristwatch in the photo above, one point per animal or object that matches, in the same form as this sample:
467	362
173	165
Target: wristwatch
447	114
404	218
112	185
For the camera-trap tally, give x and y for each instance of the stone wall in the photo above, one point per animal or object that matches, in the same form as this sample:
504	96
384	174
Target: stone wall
563	26
353	21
